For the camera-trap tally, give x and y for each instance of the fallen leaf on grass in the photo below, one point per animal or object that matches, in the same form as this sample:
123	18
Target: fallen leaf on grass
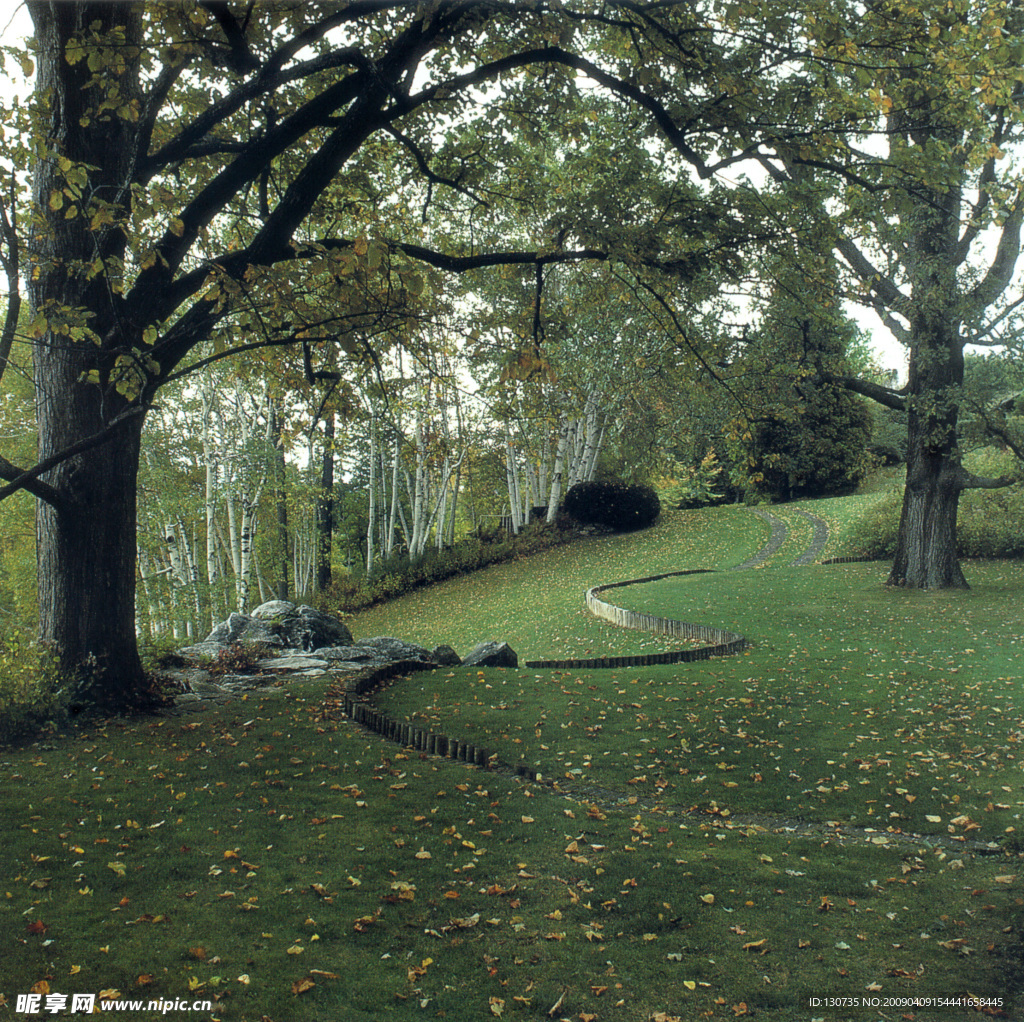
300	986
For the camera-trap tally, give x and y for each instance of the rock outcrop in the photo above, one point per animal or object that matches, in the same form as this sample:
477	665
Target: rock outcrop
281	623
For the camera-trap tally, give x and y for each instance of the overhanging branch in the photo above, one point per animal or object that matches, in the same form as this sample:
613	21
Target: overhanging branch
28	479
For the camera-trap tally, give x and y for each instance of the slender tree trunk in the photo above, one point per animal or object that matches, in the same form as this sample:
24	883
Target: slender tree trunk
556	473
210	501
372	513
325	509
282	588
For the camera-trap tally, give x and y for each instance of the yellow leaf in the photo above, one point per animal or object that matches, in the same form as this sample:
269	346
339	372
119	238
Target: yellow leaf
689	984
295	949
708	899
497	1005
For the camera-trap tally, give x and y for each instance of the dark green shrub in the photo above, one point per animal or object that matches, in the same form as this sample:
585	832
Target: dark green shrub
614	505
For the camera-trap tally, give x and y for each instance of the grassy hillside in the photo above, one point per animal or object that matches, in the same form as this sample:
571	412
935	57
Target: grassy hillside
833	814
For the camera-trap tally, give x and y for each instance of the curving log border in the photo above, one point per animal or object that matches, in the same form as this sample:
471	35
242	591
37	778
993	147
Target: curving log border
722	642
352	696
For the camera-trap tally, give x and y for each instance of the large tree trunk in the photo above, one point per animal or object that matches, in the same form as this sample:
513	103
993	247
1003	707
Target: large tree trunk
926	554
86	545
86	554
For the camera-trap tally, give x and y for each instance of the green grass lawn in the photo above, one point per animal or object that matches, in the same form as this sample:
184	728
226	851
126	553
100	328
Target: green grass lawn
536	603
711	840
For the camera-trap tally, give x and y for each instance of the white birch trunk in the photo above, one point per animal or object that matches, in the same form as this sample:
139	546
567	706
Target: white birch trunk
556	472
510	477
393	509
373	495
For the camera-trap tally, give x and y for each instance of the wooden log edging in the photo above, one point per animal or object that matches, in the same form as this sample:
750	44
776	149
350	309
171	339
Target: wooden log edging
353	697
720	642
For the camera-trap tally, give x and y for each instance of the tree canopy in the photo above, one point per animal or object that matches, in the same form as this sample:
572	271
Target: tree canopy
214	178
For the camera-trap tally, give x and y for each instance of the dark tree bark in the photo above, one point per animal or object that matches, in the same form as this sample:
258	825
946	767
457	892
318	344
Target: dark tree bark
86	531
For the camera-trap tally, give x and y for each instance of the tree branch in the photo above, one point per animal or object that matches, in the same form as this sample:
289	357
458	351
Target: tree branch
895	399
1000	272
969	481
28	479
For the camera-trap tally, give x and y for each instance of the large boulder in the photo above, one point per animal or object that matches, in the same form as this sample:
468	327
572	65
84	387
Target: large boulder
282	623
228	631
445	656
491	654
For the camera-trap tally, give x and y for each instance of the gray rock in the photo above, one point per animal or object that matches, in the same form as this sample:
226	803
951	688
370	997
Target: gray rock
229	630
491	654
354	654
445	656
202	650
281	623
314	628
267	633
390	650
274	610
291	663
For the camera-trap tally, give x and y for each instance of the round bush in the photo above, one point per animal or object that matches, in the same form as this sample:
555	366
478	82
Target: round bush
614	505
